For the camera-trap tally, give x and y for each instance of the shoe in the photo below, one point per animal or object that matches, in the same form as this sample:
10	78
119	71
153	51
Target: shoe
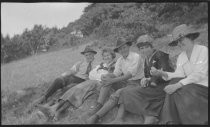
46	111
95	109
151	120
93	119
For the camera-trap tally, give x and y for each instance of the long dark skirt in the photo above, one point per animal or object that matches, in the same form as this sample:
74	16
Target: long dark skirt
188	105
143	101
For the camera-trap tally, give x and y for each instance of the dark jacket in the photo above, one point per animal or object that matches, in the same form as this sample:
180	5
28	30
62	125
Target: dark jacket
159	60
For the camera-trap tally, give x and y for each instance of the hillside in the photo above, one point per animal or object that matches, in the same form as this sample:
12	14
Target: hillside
25	80
103	23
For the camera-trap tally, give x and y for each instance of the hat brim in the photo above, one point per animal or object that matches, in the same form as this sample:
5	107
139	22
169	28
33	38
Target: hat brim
129	43
193	36
89	51
143	44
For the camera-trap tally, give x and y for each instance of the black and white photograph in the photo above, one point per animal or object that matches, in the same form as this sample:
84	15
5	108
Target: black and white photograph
105	63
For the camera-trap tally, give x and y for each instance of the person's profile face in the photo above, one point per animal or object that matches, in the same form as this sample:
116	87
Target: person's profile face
182	43
145	50
124	50
89	56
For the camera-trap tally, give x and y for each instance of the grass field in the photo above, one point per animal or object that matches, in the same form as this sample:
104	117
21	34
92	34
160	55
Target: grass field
40	70
21	81
46	67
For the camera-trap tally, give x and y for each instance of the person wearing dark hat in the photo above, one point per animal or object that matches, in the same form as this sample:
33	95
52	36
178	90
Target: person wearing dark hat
128	73
146	100
186	100
75	96
77	74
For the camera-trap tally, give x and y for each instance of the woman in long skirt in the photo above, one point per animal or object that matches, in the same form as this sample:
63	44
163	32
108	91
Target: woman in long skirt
147	99
187	95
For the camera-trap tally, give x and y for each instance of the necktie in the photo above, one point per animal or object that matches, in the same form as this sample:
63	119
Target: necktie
89	67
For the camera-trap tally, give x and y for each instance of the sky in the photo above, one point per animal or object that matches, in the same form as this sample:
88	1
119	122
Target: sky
15	17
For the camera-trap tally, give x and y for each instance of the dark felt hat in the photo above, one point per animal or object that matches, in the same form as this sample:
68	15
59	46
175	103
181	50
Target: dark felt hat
121	42
88	49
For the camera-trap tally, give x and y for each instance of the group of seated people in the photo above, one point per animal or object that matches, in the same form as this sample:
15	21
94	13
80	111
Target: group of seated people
144	83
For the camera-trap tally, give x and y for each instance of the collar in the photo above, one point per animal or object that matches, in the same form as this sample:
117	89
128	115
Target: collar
128	57
152	55
192	53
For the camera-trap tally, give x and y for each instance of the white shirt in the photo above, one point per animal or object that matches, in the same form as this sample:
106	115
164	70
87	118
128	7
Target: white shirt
132	64
195	70
95	74
80	68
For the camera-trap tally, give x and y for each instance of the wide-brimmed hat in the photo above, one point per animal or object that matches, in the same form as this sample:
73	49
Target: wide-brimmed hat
88	49
121	42
144	40
182	31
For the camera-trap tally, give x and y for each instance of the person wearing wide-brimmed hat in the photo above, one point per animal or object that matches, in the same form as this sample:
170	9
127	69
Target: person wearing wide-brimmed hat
75	96
186	100
128	73
147	100
77	74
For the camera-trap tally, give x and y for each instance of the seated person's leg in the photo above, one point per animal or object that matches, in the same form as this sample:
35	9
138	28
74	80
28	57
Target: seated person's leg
107	106
189	105
70	79
62	108
120	115
51	110
104	92
57	84
113	101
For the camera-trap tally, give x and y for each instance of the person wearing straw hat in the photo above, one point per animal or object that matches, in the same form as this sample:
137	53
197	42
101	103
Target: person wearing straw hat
77	74
128	73
76	96
146	100
186	101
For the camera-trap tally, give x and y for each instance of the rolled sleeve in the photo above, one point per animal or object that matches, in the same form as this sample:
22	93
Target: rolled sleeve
179	73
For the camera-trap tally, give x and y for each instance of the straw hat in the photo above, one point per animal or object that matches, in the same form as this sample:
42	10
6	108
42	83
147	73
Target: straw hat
182	31
144	40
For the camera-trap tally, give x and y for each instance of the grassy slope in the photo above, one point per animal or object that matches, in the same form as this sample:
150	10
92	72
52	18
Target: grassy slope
31	73
39	70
